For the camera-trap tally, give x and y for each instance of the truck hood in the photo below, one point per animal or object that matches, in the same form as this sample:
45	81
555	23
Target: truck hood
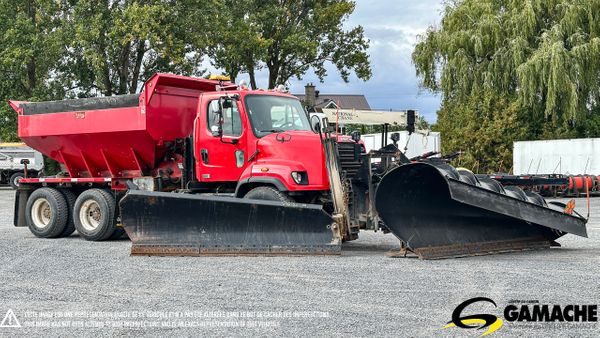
298	150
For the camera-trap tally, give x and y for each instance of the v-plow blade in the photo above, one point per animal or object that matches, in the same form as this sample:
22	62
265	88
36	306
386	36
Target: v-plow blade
440	212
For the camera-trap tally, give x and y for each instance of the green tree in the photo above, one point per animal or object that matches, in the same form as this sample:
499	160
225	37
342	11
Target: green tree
236	43
31	45
288	38
119	44
511	70
50	50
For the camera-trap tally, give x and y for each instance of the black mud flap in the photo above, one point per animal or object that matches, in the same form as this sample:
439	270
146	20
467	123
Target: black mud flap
437	213
170	224
21	196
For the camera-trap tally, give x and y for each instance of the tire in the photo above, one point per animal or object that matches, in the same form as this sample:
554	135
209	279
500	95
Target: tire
447	170
119	231
267	194
516	192
14	180
46	213
94	215
118	234
536	199
70	197
467	176
491	184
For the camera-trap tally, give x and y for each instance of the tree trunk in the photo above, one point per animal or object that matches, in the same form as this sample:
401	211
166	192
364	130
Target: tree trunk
108	91
250	63
252	77
124	68
232	71
273	75
140	52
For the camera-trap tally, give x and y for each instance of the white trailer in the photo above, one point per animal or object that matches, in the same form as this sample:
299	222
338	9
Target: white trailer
11	168
567	157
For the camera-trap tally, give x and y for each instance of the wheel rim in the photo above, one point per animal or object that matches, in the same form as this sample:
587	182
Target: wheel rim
90	215
16	181
41	213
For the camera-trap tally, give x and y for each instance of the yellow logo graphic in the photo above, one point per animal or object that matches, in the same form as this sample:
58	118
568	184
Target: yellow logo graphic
477	321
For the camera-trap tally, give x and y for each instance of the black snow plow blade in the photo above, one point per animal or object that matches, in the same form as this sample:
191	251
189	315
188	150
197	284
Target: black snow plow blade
170	224
440	212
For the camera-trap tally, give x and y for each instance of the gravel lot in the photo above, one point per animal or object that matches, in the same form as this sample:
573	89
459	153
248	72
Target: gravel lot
362	293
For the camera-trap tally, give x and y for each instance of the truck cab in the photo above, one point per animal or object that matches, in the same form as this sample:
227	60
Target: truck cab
249	138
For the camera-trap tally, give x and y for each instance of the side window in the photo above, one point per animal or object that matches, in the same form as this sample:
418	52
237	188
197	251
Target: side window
232	122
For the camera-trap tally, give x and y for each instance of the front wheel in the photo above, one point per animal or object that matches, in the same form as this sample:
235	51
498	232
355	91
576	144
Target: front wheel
267	194
94	215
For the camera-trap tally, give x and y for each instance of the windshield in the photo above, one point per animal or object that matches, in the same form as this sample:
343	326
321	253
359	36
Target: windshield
271	114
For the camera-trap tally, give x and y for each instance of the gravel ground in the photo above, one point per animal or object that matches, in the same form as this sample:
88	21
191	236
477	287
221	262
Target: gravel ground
78	285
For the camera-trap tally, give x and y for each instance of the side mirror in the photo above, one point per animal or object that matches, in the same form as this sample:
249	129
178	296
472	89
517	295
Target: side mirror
315	123
395	137
216	131
355	136
227	103
410	121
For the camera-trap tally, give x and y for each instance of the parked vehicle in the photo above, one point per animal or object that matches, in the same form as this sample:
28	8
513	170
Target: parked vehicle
204	167
12	168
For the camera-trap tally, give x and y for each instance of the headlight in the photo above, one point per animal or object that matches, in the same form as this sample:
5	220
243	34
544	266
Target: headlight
300	177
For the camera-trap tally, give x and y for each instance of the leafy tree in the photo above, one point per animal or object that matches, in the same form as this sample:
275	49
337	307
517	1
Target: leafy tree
526	68
235	42
50	50
288	38
31	43
119	44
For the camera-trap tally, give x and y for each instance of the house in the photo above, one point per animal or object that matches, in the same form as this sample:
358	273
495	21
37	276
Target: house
312	98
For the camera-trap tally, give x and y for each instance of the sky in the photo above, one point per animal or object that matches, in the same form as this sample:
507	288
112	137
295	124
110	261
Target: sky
392	27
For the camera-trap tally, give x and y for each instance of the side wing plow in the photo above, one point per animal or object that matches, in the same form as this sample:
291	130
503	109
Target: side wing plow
439	212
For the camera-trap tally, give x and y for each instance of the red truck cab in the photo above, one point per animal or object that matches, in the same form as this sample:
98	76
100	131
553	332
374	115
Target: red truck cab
254	138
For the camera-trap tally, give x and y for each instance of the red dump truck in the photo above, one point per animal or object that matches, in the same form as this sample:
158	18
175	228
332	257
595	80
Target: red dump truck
192	166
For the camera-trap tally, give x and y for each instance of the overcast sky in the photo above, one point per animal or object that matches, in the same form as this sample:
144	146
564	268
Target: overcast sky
392	27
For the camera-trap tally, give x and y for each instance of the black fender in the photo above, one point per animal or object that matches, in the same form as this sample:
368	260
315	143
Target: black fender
244	186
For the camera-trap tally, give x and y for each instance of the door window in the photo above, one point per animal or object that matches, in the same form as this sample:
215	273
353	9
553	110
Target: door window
232	122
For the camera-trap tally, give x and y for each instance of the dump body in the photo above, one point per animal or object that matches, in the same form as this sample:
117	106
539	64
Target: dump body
122	136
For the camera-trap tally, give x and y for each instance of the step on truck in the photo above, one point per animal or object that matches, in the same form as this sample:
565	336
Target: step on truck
195	166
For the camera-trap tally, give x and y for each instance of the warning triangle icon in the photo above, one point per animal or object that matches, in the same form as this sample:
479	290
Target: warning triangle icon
10	320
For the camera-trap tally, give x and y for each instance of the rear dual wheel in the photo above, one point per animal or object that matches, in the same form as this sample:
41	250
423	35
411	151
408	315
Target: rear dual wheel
47	213
94	214
53	213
